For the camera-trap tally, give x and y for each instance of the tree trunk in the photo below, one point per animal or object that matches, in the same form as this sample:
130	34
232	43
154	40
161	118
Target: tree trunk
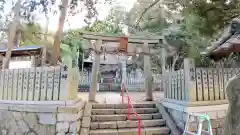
44	49
17	39
12	34
59	33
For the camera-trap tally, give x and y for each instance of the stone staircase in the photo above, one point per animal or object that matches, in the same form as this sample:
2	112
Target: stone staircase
111	119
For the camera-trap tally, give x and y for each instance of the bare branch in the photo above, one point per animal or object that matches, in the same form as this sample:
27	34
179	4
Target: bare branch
145	11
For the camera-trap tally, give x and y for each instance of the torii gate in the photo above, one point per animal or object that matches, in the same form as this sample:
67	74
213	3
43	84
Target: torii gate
144	43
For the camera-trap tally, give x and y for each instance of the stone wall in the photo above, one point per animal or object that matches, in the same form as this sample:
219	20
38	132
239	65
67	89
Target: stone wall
86	119
179	116
41	118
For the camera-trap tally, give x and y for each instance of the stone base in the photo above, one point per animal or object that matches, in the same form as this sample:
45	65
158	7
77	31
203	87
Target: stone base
40	118
180	112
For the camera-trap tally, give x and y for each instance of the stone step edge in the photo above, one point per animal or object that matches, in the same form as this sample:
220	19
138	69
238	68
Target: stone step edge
144	123
120	115
127	130
122	106
124	117
124	109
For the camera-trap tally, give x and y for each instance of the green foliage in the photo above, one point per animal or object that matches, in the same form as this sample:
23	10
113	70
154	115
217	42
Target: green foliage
31	34
212	15
188	26
104	27
73	43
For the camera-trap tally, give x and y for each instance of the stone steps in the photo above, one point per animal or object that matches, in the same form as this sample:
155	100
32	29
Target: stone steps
111	119
122	117
132	131
123	111
127	124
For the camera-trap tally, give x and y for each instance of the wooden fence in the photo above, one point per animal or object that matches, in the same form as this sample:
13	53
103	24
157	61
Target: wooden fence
211	83
133	83
174	85
38	84
197	84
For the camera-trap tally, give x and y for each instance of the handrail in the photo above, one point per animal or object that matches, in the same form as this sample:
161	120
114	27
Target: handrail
130	107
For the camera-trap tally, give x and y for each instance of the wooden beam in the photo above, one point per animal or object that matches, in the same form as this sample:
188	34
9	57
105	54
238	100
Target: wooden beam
108	38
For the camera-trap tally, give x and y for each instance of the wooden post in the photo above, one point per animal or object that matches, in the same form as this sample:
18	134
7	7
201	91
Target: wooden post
83	61
190	80
123	63
147	72
33	61
163	60
44	48
95	72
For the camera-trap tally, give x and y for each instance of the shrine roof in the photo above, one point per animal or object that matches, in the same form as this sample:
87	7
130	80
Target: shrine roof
23	51
228	43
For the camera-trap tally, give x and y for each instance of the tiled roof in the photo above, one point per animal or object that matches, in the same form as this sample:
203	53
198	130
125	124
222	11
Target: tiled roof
228	43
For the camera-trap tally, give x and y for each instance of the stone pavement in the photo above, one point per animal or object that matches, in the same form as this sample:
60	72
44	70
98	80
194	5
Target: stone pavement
115	97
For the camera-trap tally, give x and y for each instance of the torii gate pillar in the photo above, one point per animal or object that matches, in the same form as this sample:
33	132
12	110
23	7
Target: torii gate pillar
95	72
147	72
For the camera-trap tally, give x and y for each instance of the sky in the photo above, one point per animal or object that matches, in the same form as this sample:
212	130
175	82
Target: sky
77	20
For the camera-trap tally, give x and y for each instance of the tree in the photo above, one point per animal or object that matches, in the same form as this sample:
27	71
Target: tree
29	7
12	33
194	23
58	35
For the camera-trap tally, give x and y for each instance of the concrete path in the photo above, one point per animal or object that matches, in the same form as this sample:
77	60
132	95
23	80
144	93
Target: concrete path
116	98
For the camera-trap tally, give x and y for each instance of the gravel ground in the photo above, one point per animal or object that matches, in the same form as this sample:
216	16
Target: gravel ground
115	97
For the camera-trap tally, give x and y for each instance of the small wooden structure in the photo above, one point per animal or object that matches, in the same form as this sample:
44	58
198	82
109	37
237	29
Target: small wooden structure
34	52
23	51
124	48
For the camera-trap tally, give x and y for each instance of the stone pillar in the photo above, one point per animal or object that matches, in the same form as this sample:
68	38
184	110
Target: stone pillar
95	72
190	80
147	72
66	83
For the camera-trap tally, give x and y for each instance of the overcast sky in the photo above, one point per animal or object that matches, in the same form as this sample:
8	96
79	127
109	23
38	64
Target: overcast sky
78	22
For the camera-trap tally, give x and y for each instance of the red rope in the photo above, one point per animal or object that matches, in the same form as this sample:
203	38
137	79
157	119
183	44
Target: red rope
130	107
